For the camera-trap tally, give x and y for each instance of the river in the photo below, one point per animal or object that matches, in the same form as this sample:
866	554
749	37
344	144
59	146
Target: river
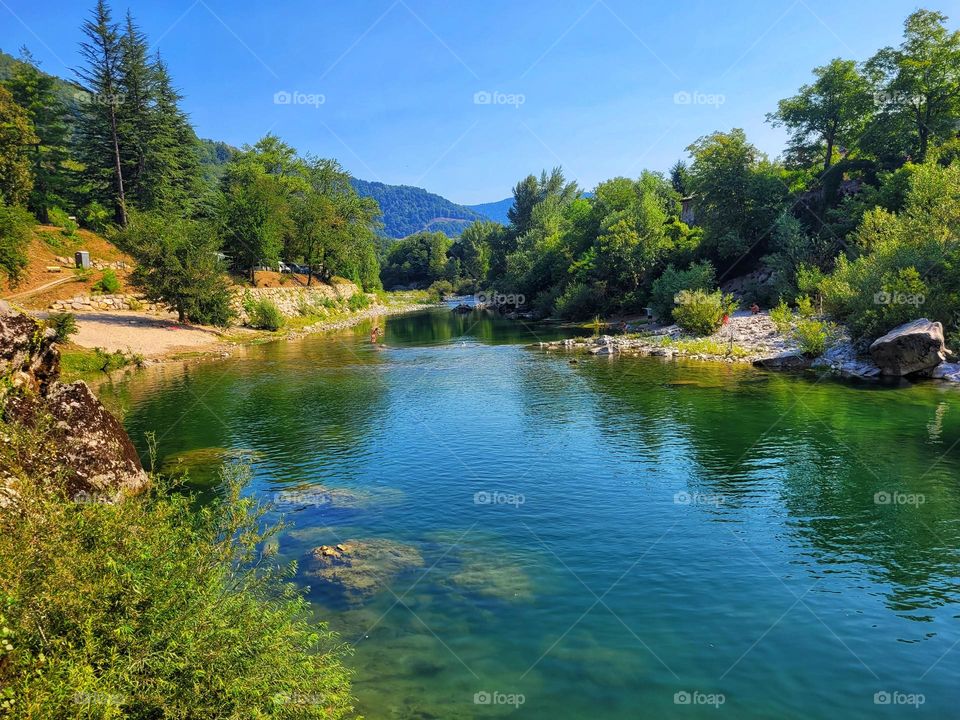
610	538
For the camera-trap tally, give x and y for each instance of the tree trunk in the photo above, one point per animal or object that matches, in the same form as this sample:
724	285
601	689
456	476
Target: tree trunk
117	168
829	158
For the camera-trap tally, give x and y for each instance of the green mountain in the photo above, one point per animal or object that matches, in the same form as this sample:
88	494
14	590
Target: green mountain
407	209
496	211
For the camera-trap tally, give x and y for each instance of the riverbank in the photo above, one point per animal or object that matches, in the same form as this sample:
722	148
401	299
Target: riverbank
748	338
155	339
755	339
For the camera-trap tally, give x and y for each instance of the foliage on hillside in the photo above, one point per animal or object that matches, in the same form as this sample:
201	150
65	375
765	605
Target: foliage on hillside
407	210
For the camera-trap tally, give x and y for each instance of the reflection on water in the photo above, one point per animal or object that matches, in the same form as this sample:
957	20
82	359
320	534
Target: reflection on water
594	537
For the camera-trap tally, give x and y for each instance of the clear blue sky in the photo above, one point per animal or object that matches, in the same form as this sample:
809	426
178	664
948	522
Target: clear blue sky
598	78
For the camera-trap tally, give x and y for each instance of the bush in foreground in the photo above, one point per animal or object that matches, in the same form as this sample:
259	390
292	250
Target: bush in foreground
264	315
701	313
151	609
63	324
109	283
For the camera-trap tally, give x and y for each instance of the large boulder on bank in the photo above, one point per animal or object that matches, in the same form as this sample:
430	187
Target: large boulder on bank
92	455
913	347
28	357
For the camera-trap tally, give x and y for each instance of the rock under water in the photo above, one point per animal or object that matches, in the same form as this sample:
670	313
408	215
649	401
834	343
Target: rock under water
361	568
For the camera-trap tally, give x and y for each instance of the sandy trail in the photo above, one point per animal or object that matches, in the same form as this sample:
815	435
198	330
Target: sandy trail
148	335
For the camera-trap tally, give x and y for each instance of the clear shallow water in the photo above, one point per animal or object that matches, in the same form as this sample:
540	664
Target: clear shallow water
684	528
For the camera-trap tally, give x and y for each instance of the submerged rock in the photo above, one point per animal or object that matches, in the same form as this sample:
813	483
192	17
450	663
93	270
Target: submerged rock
361	568
202	465
912	347
493	575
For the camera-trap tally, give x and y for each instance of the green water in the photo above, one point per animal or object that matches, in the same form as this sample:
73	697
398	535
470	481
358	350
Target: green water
653	528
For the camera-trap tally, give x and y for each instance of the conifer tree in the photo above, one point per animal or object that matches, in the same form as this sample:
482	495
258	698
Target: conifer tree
98	131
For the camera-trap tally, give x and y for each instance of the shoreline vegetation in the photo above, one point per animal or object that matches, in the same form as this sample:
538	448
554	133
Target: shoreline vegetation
146	604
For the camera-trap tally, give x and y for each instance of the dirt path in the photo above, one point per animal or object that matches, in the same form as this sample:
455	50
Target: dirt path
41	288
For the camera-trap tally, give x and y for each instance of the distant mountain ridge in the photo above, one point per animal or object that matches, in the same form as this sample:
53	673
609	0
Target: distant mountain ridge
408	209
496	211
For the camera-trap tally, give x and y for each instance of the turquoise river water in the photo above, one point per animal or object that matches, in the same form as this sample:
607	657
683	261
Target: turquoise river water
612	538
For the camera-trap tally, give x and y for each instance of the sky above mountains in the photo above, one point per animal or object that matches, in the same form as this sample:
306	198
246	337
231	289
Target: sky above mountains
466	98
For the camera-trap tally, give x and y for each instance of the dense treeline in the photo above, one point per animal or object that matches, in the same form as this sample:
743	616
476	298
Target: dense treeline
860	213
121	156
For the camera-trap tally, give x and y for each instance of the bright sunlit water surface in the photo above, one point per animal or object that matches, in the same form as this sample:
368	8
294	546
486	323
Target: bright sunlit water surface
606	538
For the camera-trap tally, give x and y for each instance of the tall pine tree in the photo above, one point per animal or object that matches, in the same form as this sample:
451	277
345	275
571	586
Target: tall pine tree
133	113
98	131
172	171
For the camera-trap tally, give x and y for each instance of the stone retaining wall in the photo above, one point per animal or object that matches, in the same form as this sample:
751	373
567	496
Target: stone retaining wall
88	303
289	300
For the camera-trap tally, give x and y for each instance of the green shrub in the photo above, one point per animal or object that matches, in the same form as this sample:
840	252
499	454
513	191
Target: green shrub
578	301
149	608
805	306
782	316
63	324
63	221
264	315
701	313
440	290
812	336
907	264
359	301
95	216
699	276
307	309
108	283
16	225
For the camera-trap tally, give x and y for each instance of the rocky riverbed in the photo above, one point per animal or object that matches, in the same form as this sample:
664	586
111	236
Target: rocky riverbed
747	338
916	349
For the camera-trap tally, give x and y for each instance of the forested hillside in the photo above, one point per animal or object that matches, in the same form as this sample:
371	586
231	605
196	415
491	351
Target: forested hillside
407	209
